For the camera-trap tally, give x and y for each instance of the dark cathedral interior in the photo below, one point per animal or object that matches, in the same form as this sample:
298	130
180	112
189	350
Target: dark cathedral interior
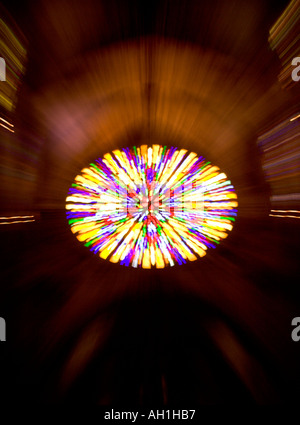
81	79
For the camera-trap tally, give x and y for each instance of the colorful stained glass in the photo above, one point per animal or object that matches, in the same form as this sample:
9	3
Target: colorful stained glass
151	206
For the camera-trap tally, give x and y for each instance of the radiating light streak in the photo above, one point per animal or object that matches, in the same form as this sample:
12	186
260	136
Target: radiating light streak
151	206
6	122
14	222
280	162
293	119
284	39
286	211
284	216
17	216
11	47
7	128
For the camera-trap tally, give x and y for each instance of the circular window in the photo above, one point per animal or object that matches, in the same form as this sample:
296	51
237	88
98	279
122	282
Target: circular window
151	206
